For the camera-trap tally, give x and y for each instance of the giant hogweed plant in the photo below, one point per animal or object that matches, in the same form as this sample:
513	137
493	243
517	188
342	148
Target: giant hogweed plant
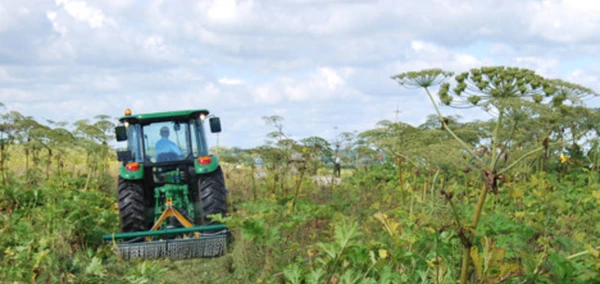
511	95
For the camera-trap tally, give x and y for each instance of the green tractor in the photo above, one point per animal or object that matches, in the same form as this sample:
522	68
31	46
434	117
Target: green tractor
168	187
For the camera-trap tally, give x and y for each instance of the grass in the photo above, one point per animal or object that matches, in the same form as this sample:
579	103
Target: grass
369	229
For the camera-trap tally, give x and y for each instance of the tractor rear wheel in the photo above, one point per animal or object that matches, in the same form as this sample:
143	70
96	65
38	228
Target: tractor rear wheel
211	197
132	208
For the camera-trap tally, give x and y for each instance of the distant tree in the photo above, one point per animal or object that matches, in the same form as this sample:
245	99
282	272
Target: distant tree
9	134
277	153
312	149
93	137
59	140
105	125
434	122
30	135
356	150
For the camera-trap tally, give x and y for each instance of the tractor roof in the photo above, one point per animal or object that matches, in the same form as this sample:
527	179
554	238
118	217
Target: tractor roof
163	116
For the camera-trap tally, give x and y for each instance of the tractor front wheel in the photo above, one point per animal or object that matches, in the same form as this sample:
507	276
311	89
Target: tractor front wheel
132	208
211	197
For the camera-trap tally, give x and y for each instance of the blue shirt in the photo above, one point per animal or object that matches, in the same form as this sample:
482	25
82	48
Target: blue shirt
165	145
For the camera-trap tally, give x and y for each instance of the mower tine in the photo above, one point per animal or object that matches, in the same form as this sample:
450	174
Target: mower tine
212	246
197	247
149	250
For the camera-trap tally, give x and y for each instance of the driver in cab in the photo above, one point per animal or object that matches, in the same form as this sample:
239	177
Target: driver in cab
166	150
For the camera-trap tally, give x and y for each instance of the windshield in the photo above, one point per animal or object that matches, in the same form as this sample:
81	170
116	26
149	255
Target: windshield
133	143
166	141
201	148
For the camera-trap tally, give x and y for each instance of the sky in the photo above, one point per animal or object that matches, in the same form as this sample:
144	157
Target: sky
323	65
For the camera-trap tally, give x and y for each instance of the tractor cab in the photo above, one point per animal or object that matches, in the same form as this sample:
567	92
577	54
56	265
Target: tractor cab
165	137
160	140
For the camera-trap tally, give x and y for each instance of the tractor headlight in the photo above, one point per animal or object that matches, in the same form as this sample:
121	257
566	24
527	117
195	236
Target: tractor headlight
202	116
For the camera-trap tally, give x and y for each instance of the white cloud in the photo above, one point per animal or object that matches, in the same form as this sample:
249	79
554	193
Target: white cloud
247	123
565	20
16	95
5	18
227	12
154	46
154	42
119	4
104	83
330	76
587	78
348	18
266	94
80	10
324	84
544	66
51	16
222	11
467	59
318	63
62	30
420	46
501	49
228	81
6	77
424	55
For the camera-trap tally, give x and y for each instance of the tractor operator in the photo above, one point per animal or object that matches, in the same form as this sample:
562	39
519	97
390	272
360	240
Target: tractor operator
166	147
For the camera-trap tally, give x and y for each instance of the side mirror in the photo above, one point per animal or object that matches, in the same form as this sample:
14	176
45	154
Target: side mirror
215	124
124	156
121	133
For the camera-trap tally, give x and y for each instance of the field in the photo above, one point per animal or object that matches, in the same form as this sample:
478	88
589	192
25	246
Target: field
512	200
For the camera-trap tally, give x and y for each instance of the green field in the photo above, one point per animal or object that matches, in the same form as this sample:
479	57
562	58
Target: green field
514	199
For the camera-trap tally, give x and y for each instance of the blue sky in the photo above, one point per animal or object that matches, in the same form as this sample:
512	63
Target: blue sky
324	65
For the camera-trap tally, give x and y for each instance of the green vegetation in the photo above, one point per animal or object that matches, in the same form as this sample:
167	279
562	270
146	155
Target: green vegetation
514	199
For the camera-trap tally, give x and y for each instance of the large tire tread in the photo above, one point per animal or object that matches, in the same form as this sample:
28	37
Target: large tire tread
212	196
132	207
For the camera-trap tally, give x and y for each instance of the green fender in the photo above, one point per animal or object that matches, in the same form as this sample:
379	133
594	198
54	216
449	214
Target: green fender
131	175
209	168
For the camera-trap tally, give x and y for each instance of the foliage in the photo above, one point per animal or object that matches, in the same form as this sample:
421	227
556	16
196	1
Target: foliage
514	94
405	219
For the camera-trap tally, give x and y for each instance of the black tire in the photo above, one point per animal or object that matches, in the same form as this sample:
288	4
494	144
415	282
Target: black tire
132	207
211	197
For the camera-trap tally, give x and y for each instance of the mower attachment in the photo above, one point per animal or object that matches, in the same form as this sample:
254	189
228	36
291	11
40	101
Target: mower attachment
207	245
211	246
